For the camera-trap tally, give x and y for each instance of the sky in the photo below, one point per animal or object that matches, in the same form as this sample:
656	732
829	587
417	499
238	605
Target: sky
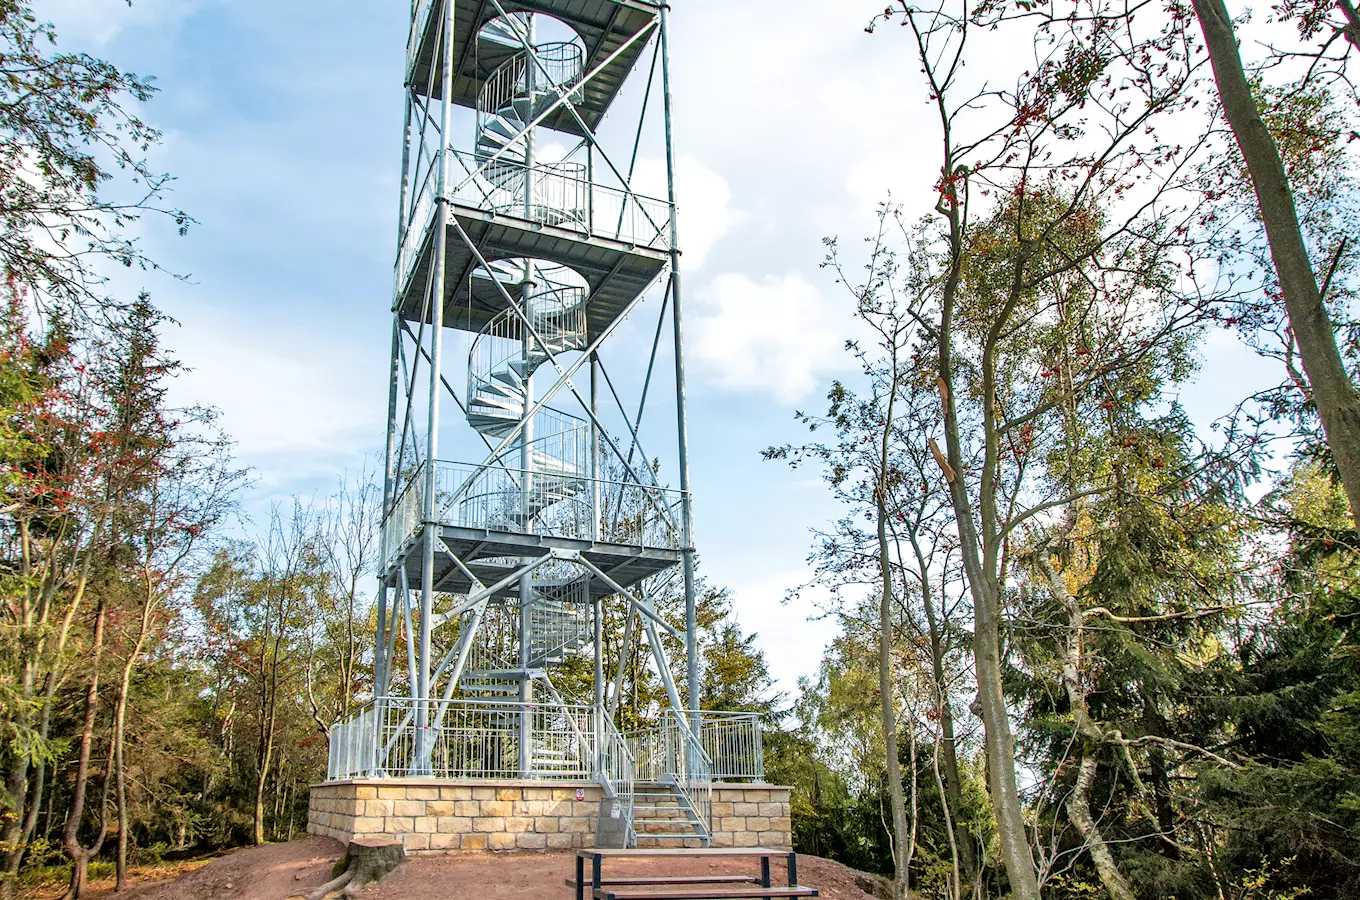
282	125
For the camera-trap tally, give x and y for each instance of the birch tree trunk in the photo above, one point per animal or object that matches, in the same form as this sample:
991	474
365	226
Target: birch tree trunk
1333	392
1090	737
887	693
80	855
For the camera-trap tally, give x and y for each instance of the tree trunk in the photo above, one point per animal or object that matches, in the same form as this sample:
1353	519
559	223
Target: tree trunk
18	831
80	856
1079	812
366	860
1089	738
1334	394
260	779
888	711
952	793
119	731
980	565
887	704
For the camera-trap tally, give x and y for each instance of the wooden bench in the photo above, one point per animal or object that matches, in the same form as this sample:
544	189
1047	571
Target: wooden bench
686	887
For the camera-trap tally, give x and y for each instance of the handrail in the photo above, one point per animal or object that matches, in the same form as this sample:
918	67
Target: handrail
691	768
641	524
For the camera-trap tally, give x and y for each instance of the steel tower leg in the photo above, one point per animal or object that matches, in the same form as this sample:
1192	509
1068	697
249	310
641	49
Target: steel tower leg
382	663
526	589
526	456
422	688
686	503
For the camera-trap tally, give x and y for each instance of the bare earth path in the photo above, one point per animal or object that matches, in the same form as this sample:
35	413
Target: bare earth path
277	871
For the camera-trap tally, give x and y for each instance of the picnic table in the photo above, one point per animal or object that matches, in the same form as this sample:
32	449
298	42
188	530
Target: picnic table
685	887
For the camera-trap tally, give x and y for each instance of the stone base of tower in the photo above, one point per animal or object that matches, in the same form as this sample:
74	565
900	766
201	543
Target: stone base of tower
433	816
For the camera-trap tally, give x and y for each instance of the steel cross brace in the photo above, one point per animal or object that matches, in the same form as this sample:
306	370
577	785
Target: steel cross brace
564	375
464	646
640	606
585	129
562	99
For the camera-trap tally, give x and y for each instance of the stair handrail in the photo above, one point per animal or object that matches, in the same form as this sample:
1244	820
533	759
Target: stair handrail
694	770
617	769
551	307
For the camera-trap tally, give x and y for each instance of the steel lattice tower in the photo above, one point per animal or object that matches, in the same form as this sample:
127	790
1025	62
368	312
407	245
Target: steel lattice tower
523	246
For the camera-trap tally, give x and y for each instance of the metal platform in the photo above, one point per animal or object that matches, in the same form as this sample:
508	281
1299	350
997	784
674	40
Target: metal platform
604	26
616	271
484	552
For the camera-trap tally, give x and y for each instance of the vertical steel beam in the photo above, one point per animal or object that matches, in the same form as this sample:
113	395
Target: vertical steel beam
526	586
432	437
595	473
686	500
597	709
381	662
526	455
380	657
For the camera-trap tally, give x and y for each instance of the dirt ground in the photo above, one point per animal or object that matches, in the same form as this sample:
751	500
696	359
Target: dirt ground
278	871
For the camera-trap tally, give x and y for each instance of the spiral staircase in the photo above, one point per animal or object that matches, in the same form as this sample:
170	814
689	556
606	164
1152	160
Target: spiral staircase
521	89
546	472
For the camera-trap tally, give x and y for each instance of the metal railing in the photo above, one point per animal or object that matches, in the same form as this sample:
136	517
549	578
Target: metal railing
696	779
420	14
466	739
676	756
734	741
486	739
618	769
497	367
595	209
353	746
553	70
469	495
564	197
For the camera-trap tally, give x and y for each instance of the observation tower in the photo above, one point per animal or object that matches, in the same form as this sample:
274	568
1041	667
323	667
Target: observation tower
537	467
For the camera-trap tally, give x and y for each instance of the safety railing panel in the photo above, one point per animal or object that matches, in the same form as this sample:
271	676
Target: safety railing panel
688	765
594	209
734	744
563	197
420	15
469	495
467	739
353	746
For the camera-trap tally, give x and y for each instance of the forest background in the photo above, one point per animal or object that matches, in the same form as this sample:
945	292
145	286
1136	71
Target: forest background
1083	647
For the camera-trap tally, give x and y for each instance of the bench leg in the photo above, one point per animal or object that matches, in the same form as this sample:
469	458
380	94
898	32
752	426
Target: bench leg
793	870
595	861
580	878
764	871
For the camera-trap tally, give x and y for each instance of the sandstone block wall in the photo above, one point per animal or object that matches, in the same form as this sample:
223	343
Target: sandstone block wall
433	816
752	816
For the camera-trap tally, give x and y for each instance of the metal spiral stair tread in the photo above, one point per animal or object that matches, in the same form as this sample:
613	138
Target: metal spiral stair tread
505	354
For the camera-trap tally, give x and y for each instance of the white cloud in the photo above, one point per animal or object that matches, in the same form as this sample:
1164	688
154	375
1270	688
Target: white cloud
100	21
791	631
703	198
280	396
777	335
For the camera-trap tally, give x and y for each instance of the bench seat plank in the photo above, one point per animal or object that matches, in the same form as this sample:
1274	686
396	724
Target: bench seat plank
679	879
682	851
683	893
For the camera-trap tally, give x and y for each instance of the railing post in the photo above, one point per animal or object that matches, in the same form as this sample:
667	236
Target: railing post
760	750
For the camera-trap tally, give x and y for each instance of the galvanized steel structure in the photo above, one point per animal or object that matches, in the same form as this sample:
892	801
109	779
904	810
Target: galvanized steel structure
526	251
